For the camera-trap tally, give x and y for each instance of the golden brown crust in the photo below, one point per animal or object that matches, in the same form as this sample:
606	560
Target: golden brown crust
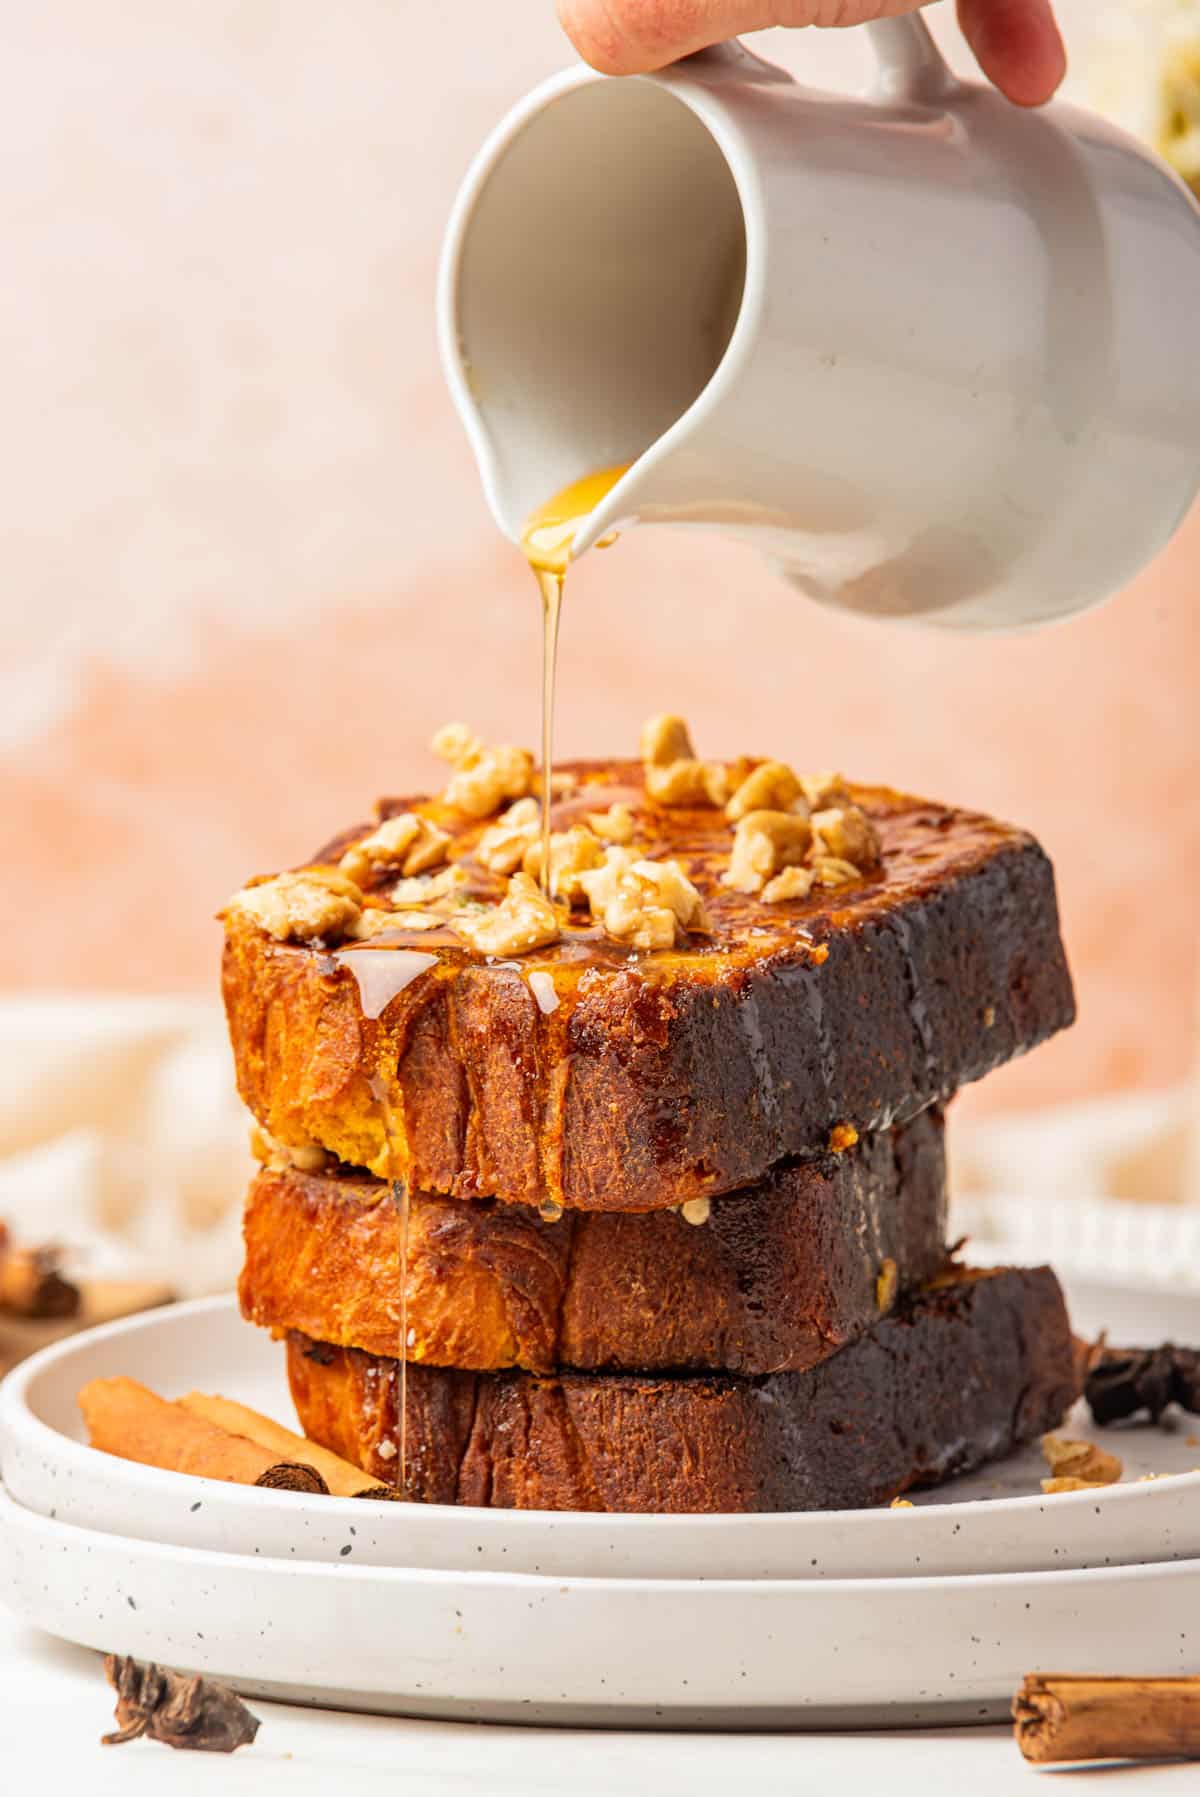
778	1277
962	1375
604	1078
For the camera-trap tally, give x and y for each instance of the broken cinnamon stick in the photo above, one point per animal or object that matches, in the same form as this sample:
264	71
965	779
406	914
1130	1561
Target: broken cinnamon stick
32	1286
342	1477
125	1419
1061	1716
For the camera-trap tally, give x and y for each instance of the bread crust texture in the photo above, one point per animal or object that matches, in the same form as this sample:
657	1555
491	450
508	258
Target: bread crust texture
599	1077
961	1374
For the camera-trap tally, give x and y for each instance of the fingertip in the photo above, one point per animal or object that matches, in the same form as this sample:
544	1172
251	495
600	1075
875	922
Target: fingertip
590	28
1018	46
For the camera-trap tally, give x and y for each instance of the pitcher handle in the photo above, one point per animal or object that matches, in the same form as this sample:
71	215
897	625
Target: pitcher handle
911	67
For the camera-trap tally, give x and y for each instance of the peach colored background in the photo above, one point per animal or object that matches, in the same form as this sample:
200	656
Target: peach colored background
249	568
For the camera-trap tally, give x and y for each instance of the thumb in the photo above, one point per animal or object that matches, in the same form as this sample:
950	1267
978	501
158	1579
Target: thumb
627	37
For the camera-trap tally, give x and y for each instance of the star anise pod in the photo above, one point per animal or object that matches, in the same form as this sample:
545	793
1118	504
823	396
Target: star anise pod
177	1709
1123	1381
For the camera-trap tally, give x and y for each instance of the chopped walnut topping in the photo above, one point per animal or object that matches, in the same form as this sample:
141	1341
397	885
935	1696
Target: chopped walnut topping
673	774
1080	1460
764	842
666	738
429	889
822	790
503	844
572	852
523	919
792	883
375	921
318	903
408	842
457	744
1070	1483
771	786
901	1504
644	903
688	783
847	833
483	777
617	824
696	1210
398	920
829	871
887	1284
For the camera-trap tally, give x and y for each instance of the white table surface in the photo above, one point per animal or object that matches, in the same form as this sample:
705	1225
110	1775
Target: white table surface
55	1704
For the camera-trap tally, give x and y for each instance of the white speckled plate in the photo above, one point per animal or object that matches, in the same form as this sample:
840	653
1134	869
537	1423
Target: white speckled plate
626	1652
995	1521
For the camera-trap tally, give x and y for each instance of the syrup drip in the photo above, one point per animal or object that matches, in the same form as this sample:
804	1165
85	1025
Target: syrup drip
382	973
398	1184
547	539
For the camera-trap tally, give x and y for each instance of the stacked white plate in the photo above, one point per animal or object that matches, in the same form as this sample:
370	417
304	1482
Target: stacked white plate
834	1618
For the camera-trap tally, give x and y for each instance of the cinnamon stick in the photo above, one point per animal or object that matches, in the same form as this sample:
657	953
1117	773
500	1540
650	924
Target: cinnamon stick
125	1419
342	1477
32	1286
1061	1716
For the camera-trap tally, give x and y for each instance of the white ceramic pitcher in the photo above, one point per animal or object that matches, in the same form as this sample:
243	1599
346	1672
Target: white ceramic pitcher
938	356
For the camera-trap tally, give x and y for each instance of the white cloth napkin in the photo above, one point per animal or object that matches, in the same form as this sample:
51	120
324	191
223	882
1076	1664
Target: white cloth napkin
122	1137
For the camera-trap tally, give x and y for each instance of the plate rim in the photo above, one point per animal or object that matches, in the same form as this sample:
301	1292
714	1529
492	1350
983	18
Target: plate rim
18	1421
487	1578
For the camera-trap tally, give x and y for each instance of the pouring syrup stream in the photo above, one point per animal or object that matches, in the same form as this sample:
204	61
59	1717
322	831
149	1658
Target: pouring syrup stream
546	541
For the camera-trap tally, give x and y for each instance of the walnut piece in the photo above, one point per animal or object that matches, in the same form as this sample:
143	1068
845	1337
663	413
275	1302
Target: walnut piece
822	790
523	919
378	923
829	871
457	744
666	738
673	774
792	883
1081	1460
846	833
772	786
429	889
644	903
765	842
408	842
320	903
617	824
483	777
572	852
503	844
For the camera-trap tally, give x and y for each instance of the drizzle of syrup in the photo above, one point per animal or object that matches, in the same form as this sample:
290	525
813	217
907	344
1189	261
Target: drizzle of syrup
397	1177
382	973
546	540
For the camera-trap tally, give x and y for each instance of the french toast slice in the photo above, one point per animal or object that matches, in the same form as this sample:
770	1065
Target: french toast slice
597	1076
959	1375
777	1277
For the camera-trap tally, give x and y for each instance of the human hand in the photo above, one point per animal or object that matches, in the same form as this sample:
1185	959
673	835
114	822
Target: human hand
1016	42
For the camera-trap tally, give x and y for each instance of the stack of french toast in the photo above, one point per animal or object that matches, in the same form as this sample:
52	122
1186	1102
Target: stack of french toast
614	1157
